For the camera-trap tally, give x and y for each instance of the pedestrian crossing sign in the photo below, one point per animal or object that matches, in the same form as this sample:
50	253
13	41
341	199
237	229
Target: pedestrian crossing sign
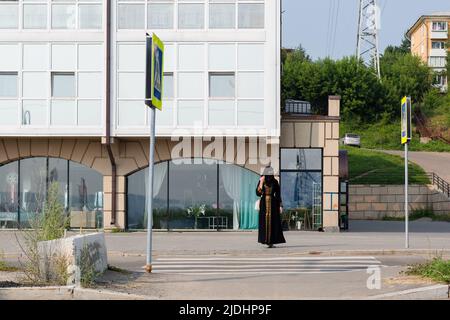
406	120
157	72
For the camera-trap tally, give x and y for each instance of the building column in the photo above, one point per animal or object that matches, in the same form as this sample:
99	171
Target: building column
120	203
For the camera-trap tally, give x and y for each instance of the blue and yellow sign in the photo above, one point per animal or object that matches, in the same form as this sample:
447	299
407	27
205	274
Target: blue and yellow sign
154	72
406	120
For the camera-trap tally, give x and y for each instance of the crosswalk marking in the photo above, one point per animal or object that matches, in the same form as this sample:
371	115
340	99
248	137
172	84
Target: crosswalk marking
259	265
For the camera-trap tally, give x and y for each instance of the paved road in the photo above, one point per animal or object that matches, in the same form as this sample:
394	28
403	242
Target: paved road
437	162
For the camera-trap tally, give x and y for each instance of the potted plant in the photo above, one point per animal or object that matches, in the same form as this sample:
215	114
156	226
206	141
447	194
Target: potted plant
196	212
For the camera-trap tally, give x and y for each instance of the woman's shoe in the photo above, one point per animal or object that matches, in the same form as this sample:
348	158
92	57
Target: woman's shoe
270	246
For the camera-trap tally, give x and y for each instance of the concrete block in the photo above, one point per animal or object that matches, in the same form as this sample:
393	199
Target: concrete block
287	135
302	134
363	206
379	190
388	199
318	136
371	199
396	190
72	248
379	206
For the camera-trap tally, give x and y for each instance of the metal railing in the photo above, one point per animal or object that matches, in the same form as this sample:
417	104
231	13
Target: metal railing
440	184
297	107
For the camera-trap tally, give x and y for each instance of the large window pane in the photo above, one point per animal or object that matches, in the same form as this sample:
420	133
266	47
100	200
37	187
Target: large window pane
222	16
251	15
131	16
34	16
237	197
33	186
191	16
222	85
302	192
168	85
9	16
86	197
63	84
57	173
160	16
8	84
90	16
63	16
301	159
9	195
136	198
192	187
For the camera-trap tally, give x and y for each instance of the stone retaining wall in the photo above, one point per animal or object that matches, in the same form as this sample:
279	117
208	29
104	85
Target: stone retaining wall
373	202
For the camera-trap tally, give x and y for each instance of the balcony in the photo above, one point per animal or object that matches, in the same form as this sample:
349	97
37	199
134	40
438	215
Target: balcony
441	35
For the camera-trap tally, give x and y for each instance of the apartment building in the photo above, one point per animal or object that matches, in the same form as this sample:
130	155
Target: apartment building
429	39
72	111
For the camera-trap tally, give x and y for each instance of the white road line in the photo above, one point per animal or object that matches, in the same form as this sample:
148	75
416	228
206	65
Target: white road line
261	266
266	259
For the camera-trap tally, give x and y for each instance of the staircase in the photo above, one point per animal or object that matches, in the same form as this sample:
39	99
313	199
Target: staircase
440	184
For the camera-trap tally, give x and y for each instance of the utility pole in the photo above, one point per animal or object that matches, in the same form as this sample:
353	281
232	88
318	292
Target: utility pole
367	45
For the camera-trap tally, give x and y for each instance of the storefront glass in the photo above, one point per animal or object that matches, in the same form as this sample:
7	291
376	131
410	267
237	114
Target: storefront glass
195	194
301	187
23	192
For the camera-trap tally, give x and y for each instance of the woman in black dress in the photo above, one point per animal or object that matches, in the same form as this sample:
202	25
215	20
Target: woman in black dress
270	208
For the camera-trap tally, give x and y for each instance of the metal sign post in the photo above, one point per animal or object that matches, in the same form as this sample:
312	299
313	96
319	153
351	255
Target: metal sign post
153	99
406	139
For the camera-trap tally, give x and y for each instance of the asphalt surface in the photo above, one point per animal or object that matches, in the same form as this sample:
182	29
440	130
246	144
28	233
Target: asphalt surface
437	162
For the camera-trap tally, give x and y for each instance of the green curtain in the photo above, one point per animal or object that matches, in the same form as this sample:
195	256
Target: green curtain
248	215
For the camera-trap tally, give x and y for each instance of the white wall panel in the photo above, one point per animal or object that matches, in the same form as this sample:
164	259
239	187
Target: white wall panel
190	113
131	57
251	57
132	85
34	112
221	113
35	84
191	57
222	57
250	85
90	57
9	57
8	112
64	57
64	113
90	85
250	113
89	112
36	57
191	85
131	113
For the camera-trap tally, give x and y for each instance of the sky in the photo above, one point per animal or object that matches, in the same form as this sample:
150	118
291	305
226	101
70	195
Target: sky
311	23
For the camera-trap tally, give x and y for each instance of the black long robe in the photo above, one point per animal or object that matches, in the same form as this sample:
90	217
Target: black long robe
270	230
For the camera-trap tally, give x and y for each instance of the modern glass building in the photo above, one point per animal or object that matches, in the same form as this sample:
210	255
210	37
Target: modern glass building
71	110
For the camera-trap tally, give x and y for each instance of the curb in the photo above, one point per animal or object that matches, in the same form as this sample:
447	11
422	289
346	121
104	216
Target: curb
66	293
426	293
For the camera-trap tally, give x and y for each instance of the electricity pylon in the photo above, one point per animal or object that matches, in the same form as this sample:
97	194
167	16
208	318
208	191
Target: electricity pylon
368	28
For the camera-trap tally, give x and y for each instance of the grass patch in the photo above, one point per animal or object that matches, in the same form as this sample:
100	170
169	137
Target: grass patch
385	135
373	167
421	213
7	268
437	269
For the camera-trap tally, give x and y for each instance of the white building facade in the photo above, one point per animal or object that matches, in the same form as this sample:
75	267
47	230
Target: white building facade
72	111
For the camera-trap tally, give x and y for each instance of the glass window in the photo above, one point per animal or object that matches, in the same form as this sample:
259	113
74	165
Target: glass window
301	159
34	112
160	16
34	16
86	197
193	187
222	85
9	195
131	16
8	84
136	198
168	85
63	84
33	186
222	16
63	16
439	26
302	193
251	15
90	16
58	169
197	198
9	16
191	16
438	45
